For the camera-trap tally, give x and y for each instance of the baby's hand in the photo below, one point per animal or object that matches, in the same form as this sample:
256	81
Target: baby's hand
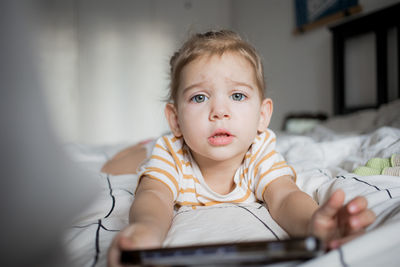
336	224
134	236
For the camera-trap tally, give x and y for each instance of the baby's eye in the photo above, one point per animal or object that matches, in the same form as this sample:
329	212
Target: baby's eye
238	97
199	98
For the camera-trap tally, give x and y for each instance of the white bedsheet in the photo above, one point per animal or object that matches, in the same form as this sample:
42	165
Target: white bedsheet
323	161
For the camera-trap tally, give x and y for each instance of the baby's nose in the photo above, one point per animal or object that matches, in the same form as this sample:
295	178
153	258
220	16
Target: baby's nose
219	111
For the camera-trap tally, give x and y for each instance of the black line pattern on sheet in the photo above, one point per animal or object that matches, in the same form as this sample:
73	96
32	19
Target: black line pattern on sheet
111	195
83	226
259	207
129	192
316	193
276	236
341	257
377	188
97	240
108	230
78	233
390	195
97	246
364	182
99	222
361	181
324	173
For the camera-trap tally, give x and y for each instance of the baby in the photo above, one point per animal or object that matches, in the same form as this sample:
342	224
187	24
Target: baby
221	150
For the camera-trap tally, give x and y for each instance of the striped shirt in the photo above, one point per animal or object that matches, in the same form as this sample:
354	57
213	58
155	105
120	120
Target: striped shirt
172	164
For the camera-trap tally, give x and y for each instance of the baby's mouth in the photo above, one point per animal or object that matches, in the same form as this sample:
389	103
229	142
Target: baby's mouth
220	138
220	133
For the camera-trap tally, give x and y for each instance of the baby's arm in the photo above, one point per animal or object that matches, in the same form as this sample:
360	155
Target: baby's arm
150	219
290	207
126	161
299	214
152	211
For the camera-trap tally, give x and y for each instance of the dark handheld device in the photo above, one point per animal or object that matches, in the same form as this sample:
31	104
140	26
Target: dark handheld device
228	254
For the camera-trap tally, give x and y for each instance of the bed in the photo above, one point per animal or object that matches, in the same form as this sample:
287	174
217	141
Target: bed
323	157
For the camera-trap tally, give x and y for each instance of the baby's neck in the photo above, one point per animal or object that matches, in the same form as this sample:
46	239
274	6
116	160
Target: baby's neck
219	174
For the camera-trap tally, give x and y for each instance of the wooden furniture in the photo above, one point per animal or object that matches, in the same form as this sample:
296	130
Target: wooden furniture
378	23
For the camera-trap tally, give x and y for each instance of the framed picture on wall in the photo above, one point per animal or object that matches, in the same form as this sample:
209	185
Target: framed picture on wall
314	13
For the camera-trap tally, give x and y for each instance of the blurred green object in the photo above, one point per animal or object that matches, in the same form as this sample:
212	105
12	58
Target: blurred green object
377	166
366	171
378	163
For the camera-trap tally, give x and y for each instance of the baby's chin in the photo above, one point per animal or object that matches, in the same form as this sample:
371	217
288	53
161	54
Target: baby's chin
220	154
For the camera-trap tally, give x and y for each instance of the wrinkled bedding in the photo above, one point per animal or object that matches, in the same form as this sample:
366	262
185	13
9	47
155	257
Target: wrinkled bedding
323	160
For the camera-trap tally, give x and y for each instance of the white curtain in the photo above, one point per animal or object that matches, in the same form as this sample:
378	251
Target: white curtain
105	63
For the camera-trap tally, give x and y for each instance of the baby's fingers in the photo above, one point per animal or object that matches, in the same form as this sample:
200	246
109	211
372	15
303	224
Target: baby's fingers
332	206
114	253
120	242
323	223
358	215
356	205
361	220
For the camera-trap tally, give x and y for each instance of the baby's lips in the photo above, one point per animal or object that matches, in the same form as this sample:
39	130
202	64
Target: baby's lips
220	132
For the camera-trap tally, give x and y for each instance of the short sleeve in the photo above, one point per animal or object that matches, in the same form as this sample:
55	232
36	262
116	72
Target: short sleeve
268	164
161	165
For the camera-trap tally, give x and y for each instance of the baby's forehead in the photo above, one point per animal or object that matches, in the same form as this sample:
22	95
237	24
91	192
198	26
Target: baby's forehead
213	57
227	66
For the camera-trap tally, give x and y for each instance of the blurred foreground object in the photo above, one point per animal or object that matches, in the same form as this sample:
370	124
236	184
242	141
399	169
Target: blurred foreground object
37	176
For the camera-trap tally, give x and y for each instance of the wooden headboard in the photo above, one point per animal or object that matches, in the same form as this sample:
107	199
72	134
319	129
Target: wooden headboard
378	23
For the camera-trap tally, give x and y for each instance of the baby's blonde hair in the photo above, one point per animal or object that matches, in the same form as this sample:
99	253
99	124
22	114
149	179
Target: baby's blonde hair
209	44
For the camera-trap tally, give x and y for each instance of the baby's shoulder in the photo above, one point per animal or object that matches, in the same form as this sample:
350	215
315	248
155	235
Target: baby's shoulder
264	138
170	142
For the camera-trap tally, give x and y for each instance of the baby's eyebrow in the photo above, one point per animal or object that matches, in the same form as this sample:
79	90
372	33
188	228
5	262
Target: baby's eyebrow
203	84
242	84
200	84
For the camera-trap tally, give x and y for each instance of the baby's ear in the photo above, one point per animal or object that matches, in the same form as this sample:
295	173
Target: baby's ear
172	117
266	110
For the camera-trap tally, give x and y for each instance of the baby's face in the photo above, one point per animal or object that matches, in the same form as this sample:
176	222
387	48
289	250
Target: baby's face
219	107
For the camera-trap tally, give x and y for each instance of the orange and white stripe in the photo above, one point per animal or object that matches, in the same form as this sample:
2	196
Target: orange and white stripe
171	163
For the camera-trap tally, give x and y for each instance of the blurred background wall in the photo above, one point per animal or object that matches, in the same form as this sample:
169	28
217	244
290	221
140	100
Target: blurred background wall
104	64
